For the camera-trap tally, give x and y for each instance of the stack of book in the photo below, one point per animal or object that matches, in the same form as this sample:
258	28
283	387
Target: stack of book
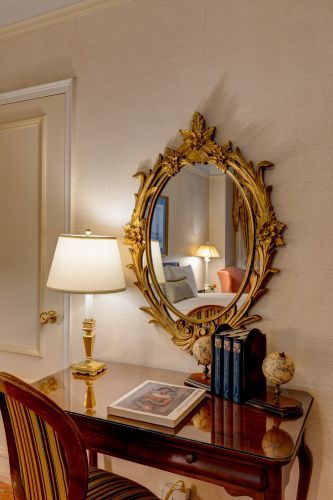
237	356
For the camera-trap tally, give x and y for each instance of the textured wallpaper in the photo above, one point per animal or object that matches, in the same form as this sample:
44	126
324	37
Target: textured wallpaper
261	71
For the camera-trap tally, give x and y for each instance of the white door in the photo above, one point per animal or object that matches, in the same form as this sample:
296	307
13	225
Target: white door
34	165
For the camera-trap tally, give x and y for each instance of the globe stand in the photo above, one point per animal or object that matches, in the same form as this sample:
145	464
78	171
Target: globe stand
274	402
200	380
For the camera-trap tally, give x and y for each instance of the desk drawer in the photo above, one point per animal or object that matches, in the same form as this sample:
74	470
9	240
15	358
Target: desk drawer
185	460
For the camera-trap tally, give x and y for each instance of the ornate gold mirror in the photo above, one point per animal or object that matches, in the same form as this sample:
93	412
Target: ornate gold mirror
219	213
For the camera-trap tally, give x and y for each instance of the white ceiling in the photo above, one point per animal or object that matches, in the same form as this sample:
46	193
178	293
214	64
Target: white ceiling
12	11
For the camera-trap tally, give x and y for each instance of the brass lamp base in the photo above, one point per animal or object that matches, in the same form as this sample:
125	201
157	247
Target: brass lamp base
90	366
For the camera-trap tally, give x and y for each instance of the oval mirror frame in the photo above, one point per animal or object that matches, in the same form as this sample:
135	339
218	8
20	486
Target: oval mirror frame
265	233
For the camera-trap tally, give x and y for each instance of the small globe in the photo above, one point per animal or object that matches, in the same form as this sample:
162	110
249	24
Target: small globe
202	350
277	443
278	368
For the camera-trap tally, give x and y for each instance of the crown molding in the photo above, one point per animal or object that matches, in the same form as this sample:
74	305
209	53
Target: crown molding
64	14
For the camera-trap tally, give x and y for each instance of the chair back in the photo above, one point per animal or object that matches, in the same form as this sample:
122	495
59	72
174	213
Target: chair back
46	454
231	279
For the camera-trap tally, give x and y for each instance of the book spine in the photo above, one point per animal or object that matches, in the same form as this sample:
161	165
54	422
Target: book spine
218	364
227	368
217	359
238	356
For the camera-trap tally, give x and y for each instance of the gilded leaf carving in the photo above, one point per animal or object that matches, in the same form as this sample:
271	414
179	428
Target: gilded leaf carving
198	146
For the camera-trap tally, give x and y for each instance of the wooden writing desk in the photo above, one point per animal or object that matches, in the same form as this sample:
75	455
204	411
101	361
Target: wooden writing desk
243	449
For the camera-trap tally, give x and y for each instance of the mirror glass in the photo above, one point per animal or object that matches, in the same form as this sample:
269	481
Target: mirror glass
199	239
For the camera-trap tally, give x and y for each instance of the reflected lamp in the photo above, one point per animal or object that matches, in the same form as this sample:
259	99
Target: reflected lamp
208	252
87	264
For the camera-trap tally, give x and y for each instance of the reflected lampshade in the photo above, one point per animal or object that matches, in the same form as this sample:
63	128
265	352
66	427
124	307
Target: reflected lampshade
86	264
207	250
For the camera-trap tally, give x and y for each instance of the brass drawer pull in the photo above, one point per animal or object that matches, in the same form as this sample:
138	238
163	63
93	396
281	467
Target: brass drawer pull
190	458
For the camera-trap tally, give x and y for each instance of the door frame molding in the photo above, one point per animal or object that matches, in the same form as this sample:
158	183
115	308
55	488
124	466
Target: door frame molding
35	92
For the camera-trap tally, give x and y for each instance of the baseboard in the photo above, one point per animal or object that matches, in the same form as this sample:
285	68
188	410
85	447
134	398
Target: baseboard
4	465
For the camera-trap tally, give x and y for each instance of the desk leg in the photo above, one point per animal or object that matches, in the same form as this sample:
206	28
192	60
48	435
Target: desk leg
276	486
92	458
305	470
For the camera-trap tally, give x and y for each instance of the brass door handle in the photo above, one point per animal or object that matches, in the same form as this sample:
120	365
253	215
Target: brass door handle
48	317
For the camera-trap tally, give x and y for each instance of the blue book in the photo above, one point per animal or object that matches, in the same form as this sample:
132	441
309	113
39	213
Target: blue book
238	368
228	362
218	363
217	359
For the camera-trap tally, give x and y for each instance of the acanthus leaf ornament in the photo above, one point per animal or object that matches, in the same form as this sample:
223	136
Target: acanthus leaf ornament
172	162
270	233
265	233
135	232
198	145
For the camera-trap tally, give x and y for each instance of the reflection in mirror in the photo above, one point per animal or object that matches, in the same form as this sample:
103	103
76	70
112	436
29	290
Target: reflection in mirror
202	210
207	256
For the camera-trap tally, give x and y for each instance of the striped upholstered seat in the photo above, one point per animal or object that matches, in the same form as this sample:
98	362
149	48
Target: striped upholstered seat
46	454
103	484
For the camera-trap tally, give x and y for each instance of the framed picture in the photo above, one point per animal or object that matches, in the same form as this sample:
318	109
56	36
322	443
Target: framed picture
160	223
157	403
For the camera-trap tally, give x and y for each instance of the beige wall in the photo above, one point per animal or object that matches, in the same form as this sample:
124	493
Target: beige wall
261	71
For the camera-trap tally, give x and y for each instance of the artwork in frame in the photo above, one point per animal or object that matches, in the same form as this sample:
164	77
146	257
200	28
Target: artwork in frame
157	402
160	223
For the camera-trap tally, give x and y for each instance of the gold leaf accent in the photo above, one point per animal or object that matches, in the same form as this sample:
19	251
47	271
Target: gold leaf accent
172	162
199	147
270	233
198	144
135	233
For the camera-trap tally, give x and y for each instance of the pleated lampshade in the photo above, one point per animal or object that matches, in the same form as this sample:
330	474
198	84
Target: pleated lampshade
207	250
86	264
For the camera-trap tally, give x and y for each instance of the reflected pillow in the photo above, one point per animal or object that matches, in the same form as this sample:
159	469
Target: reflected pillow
167	272
178	290
185	272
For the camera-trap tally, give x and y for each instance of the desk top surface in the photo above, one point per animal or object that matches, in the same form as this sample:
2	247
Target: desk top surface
215	421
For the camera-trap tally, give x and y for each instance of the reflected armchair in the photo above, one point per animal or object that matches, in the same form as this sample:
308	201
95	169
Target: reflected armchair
231	279
46	454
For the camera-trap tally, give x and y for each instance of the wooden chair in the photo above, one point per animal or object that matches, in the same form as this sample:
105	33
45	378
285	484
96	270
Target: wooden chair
46	454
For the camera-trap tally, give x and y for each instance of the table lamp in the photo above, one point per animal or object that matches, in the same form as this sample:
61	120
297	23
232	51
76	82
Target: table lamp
87	264
207	251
